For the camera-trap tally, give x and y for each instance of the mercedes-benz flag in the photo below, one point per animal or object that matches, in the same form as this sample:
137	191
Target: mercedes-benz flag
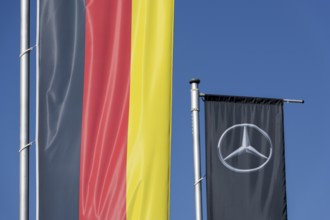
245	166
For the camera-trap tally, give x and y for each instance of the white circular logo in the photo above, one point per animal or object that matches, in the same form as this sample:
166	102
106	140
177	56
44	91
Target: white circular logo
259	155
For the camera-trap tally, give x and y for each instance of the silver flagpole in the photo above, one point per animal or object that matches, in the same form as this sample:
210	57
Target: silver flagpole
24	111
196	146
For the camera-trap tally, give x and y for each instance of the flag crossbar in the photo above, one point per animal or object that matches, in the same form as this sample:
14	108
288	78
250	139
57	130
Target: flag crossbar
299	101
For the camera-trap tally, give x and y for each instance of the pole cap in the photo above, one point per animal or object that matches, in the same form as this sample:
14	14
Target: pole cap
193	80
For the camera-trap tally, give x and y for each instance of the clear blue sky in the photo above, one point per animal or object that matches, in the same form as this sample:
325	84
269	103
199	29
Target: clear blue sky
254	48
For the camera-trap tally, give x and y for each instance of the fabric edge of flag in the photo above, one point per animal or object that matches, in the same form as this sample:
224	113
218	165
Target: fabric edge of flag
284	164
37	106
171	114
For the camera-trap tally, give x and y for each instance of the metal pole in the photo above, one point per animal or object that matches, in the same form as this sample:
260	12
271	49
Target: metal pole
294	101
196	148
24	111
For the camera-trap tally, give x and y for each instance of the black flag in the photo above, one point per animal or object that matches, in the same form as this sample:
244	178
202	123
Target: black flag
245	158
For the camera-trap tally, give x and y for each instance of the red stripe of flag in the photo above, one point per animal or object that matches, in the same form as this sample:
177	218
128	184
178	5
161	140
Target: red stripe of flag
105	110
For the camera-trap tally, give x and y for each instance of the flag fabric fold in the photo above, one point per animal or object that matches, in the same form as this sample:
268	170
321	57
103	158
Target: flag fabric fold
104	109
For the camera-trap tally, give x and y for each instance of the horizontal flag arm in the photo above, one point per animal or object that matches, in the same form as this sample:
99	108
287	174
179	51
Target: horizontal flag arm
299	101
294	101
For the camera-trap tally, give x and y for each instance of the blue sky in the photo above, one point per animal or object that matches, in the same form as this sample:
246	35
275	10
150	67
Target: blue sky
253	48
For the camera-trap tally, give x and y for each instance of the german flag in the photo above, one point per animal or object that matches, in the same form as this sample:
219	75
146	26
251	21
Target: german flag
104	109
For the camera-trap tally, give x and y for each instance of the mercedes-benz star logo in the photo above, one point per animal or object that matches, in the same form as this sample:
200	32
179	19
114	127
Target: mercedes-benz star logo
245	148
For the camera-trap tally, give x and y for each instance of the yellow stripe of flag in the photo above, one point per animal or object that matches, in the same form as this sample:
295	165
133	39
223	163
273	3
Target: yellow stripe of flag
150	107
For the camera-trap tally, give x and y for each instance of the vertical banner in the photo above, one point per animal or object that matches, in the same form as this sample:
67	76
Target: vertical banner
60	74
245	158
104	106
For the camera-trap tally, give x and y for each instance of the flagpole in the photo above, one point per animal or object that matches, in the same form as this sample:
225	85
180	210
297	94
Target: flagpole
194	92
24	111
